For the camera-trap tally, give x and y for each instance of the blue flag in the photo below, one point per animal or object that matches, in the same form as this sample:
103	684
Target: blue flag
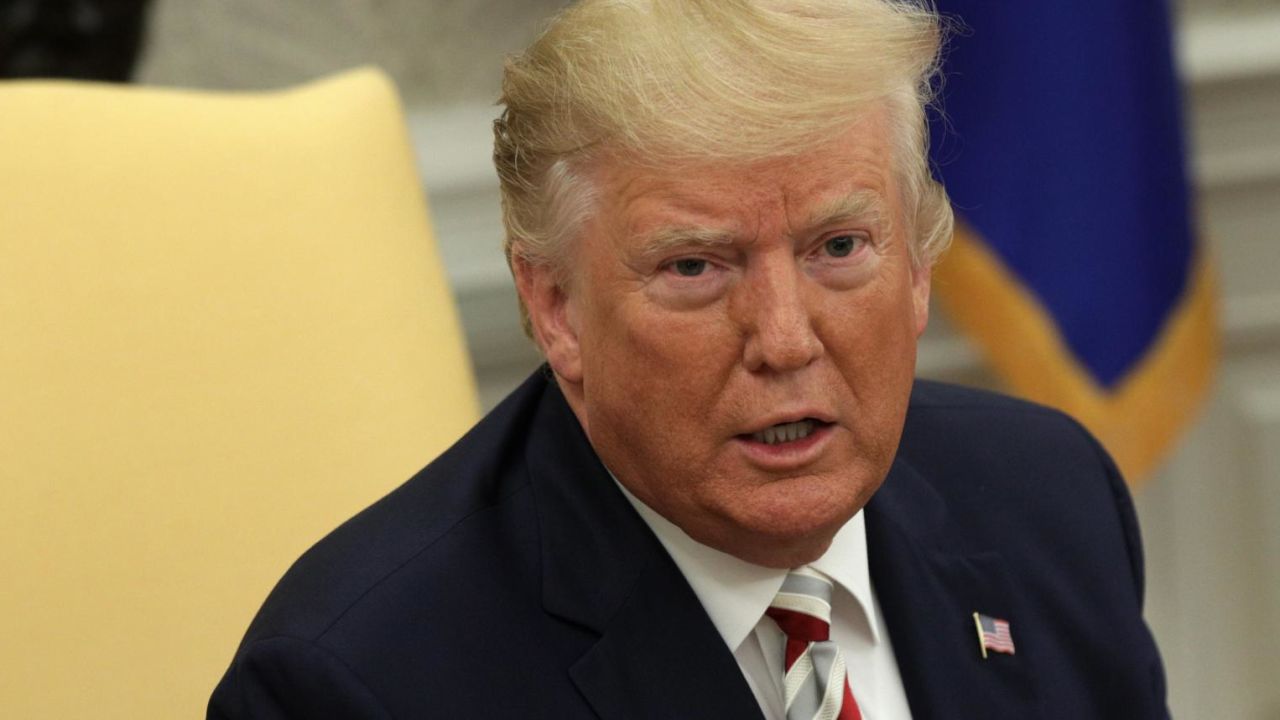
1076	266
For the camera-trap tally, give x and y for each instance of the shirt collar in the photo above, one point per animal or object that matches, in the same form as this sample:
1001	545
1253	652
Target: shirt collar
845	562
735	593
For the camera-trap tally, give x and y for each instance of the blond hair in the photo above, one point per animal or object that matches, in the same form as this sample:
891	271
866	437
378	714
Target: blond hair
671	81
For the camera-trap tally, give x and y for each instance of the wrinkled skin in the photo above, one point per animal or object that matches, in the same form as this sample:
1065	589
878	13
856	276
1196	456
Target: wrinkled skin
709	302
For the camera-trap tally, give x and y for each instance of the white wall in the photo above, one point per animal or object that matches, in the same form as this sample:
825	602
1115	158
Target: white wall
1212	517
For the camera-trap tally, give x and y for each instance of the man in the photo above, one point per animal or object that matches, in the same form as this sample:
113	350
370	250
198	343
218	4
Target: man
722	497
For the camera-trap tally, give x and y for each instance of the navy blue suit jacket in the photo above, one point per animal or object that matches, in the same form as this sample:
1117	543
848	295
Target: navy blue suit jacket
511	578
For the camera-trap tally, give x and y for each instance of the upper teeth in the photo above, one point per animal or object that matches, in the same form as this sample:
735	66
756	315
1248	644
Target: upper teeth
784	432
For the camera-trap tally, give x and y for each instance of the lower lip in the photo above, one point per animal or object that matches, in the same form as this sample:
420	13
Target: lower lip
786	455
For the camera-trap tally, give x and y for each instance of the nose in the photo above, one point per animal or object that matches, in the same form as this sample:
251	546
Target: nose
778	324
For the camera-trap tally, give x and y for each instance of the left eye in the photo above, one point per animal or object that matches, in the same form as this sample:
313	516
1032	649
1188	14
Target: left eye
690	267
841	245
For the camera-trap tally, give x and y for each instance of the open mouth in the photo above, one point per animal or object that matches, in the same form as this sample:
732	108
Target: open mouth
788	432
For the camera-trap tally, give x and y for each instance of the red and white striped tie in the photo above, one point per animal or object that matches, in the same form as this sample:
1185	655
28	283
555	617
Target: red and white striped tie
816	687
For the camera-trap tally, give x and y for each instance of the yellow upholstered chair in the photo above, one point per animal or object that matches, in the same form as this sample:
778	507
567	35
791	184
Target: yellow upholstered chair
224	328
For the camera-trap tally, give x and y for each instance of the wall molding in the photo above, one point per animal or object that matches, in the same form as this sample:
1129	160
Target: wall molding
1214	48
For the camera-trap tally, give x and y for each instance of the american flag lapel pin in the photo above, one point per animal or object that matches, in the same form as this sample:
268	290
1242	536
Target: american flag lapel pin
993	634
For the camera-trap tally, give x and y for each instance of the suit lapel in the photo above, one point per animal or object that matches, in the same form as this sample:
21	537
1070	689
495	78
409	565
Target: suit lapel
663	659
928	586
658	653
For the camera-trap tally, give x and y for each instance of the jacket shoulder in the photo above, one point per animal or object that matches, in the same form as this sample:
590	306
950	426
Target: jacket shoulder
1011	463
939	395
955	417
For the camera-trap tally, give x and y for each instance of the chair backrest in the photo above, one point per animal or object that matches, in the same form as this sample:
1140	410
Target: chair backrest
224	328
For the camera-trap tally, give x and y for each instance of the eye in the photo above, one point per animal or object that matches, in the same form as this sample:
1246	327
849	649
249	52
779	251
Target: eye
841	245
689	267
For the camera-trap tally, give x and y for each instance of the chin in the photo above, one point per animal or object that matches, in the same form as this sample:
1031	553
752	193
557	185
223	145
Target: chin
784	553
785	524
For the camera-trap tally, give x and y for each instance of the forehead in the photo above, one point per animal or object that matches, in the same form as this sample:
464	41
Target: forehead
856	164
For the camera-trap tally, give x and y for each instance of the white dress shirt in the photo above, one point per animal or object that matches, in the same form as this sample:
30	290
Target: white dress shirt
736	594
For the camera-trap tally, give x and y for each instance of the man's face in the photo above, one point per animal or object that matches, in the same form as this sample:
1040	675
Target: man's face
739	342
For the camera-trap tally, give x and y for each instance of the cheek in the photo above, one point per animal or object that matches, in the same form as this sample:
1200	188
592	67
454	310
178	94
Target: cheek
871	341
869	328
671	346
661	372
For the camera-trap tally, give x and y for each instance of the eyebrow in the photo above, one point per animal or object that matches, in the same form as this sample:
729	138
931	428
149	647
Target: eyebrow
863	204
665	238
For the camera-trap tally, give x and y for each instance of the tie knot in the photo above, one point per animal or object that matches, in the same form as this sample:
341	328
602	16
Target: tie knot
802	608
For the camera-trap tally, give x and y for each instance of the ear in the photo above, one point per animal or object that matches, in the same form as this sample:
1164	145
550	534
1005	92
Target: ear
921	282
552	316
